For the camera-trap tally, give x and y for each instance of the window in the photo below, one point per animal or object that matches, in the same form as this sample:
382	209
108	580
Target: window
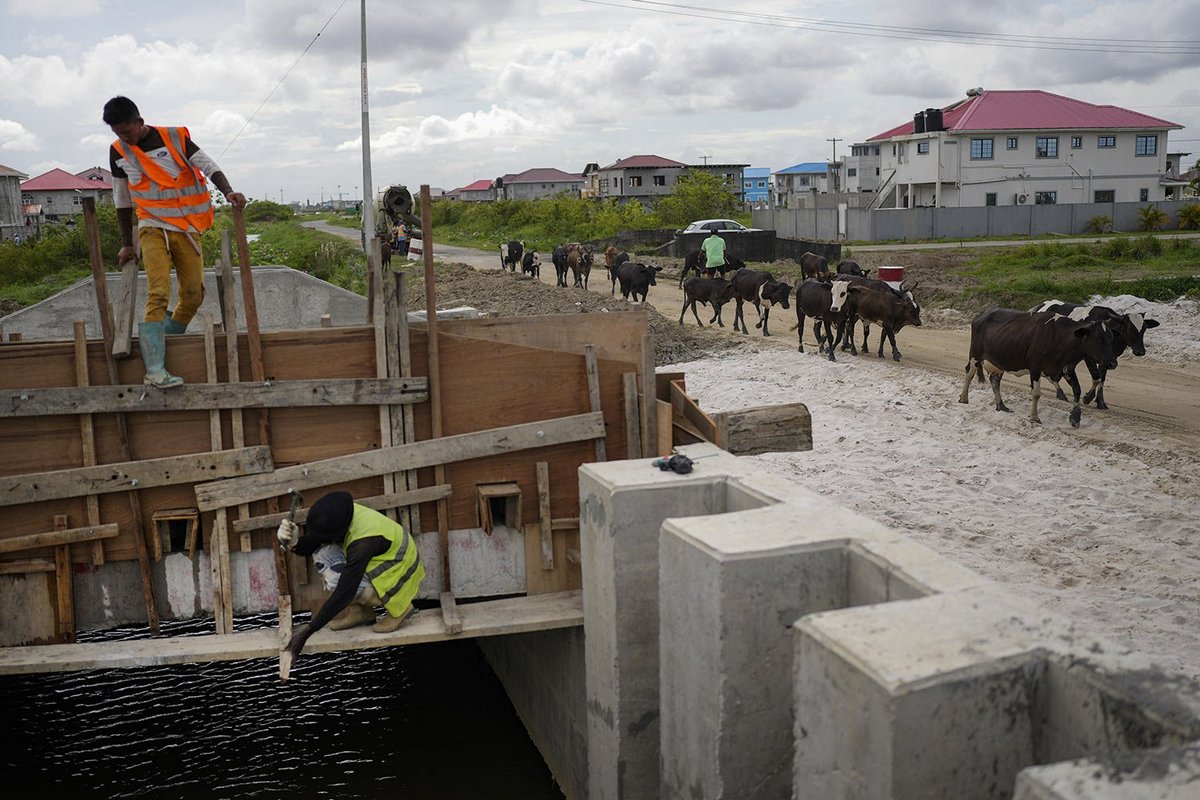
804	180
877	172
1106	141
660	180
893	149
747	184
1013	141
762	184
635	180
1143	195
922	148
1147	145
1104	196
989	199
851	172
981	149
1045	198
1047	147
1076	142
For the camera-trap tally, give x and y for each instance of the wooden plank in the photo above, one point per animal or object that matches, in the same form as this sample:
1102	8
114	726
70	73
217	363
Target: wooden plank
565	576
33	541
64	584
125	310
616	336
452	620
666	437
649	412
633	436
41	486
221	584
384	321
547	537
766	429
26	567
285	636
462	447
550	611
408	429
691	411
662	384
212	395
565	524
379	503
593	380
87	436
433	367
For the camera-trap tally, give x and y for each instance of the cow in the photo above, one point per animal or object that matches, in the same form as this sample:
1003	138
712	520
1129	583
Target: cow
531	264
715	292
559	258
510	257
732	264
813	265
886	309
617	260
385	254
852	268
905	292
637	278
580	263
761	289
826	303
693	261
1127	331
1044	343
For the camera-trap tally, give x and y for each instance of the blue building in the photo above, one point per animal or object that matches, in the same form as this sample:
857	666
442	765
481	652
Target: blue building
756	185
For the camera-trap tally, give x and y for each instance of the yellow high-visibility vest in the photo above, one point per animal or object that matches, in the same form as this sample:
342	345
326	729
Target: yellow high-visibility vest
396	575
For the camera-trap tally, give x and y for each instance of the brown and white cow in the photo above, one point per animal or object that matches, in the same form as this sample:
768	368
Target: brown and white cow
763	291
1006	340
885	308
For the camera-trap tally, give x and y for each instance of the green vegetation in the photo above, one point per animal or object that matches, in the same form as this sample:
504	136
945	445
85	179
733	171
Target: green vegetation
1151	218
1098	224
1189	217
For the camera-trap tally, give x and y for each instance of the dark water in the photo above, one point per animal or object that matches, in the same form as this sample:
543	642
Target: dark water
428	721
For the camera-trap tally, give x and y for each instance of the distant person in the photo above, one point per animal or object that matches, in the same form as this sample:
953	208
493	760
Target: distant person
157	175
364	558
714	253
402	239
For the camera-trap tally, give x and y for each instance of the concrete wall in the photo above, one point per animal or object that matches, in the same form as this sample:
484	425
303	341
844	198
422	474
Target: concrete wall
783	646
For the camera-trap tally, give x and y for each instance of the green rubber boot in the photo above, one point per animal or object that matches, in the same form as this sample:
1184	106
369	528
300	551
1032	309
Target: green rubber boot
172	327
153	345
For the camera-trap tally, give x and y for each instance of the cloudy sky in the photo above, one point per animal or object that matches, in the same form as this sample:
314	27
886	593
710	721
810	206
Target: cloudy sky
467	89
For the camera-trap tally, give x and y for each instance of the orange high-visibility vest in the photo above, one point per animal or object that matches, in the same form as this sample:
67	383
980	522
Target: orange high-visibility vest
182	201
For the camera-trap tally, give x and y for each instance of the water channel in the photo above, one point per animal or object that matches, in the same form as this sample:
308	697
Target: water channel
429	721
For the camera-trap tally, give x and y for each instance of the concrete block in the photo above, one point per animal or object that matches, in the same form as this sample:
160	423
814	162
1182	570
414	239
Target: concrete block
34	592
481	564
1161	774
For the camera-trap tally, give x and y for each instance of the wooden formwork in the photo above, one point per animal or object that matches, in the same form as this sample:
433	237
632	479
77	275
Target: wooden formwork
324	397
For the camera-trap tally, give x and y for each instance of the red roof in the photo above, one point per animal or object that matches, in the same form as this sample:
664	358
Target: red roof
58	180
481	185
1033	110
543	175
645	162
9	172
95	174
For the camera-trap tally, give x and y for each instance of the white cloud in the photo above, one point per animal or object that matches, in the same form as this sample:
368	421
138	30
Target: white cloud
56	9
500	127
14	136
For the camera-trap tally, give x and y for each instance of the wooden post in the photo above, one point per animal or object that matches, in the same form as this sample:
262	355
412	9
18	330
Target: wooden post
543	487
633	430
64	582
408	426
124	451
87	434
649	394
229	324
593	380
126	309
285	635
435	373
384	324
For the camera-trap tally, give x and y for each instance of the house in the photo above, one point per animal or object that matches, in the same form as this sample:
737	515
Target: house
860	170
809	176
481	191
535	184
756	185
591	181
12	218
96	174
1018	147
647	177
60	194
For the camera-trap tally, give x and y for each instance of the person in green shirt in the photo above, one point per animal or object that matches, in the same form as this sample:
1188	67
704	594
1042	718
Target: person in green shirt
714	254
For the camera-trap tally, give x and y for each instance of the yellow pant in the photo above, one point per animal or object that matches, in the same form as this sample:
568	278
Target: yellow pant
162	249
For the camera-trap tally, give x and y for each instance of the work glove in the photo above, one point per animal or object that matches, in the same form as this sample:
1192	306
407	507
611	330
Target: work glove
288	533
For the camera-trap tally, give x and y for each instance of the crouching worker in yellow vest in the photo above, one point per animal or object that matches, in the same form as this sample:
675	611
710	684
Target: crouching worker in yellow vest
365	560
157	173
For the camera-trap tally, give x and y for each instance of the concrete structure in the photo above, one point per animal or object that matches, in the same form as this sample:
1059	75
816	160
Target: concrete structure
481	191
756	185
1000	148
860	170
60	194
535	184
648	177
800	179
12	218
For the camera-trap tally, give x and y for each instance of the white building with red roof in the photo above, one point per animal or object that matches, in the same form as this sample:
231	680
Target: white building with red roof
647	177
534	184
60	194
481	191
1026	147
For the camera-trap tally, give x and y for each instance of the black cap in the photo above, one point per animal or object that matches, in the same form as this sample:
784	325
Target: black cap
329	518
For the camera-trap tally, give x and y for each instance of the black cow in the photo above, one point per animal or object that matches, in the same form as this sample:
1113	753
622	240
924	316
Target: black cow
636	278
580	261
852	268
715	292
510	257
761	289
618	260
732	264
886	309
1127	331
813	265
694	261
531	264
559	259
1045	343
826	304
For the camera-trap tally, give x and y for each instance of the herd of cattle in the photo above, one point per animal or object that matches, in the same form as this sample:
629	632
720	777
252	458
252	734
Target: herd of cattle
1048	341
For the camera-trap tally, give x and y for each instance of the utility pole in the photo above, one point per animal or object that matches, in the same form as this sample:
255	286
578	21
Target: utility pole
706	158
836	170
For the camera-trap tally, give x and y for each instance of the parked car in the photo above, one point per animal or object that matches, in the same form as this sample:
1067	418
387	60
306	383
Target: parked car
721	225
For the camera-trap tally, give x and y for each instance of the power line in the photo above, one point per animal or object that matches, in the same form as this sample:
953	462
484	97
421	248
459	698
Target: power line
281	80
935	35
